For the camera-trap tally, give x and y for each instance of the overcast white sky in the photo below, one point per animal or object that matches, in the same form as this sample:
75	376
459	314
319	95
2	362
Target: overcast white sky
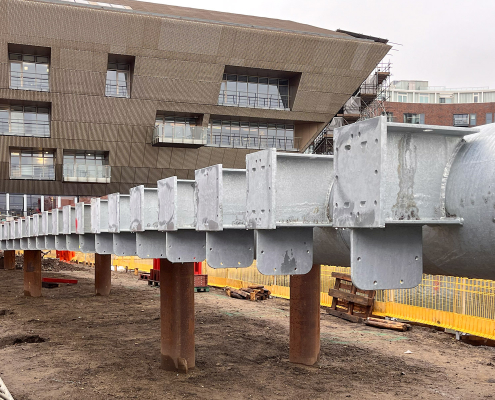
446	42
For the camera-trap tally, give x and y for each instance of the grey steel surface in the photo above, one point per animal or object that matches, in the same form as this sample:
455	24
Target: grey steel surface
99	215
124	244
46	223
60	242
233	198
151	244
104	243
387	258
49	242
143	209
230	248
176	207
284	251
359	157
69	220
87	243
72	241
83	218
40	243
186	245
119	213
36	225
331	244
207	194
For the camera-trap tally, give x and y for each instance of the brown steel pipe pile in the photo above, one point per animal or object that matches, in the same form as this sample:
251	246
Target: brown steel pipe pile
9	259
177	315
304	340
32	273
103	274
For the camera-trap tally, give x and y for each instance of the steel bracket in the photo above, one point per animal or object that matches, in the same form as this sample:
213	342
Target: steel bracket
230	248
104	243
151	244
124	244
186	245
176	206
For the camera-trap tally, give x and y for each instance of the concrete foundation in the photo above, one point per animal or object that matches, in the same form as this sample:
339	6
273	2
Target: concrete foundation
177	315
32	273
103	274
304	339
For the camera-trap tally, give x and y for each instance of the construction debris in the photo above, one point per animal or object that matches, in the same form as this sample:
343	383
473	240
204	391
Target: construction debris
253	293
387	324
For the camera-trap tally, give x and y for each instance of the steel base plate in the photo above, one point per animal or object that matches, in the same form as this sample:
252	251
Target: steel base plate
389	258
284	251
230	248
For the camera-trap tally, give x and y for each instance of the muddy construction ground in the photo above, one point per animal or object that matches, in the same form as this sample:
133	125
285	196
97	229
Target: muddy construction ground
70	344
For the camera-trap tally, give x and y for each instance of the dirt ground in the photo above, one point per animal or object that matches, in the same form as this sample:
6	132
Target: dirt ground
70	344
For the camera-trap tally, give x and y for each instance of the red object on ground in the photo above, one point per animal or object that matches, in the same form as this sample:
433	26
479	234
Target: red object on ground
197	268
66	255
156	264
59	280
200	280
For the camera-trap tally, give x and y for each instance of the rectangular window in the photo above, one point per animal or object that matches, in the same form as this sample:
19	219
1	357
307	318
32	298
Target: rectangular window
402	97
442	100
424	98
414	118
461	119
24	121
86	166
29	72
118	80
254	91
32	164
489	118
390	117
472	119
250	135
476	97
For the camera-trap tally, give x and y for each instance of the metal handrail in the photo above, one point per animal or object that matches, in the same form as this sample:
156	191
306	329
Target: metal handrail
114	88
253	100
29	81
180	134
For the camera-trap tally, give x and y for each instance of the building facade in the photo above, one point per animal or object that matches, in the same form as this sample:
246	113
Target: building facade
96	98
416	102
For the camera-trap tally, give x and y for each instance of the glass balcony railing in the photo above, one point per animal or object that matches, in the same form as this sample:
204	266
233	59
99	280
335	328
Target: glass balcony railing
253	100
116	89
86	173
250	142
25	128
180	134
34	172
29	81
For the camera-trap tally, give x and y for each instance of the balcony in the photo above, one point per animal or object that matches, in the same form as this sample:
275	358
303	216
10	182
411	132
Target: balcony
33	172
114	88
29	81
86	173
24	128
180	134
251	142
253	100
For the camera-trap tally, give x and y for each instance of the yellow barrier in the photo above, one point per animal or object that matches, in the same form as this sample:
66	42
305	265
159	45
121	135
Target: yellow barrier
461	304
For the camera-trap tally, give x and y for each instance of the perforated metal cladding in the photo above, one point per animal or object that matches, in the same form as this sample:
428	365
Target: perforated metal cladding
178	68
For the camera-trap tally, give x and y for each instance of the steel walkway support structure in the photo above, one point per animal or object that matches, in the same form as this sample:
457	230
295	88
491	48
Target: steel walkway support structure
103	274
9	259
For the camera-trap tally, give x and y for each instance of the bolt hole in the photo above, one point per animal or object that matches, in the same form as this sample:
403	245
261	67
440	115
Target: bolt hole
375	283
376	172
401	282
359	258
375	202
295	269
307	251
416	258
249	248
274	269
221	263
336	205
262	251
238	263
211	249
376	141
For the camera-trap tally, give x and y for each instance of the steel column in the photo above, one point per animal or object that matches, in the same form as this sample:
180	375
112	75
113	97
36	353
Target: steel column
32	273
9	259
304	341
177	315
103	274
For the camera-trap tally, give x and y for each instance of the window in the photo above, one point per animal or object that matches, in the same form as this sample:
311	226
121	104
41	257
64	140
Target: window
24	121
424	98
402	97
32	164
476	97
118	78
99	3
390	117
29	72
414	118
254	91
489	118
175	127
442	100
251	135
461	119
16	204
472	119
33	204
86	166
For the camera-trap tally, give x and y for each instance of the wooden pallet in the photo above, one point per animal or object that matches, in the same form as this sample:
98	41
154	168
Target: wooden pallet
349	302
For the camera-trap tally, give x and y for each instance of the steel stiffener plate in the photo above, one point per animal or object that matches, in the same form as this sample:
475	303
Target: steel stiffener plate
186	246
17	244
260	183
124	244
87	243
40	243
284	251
359	152
167	204
151	244
230	249
32	243
60	243
208	197
24	243
49	242
389	258
104	243
72	242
